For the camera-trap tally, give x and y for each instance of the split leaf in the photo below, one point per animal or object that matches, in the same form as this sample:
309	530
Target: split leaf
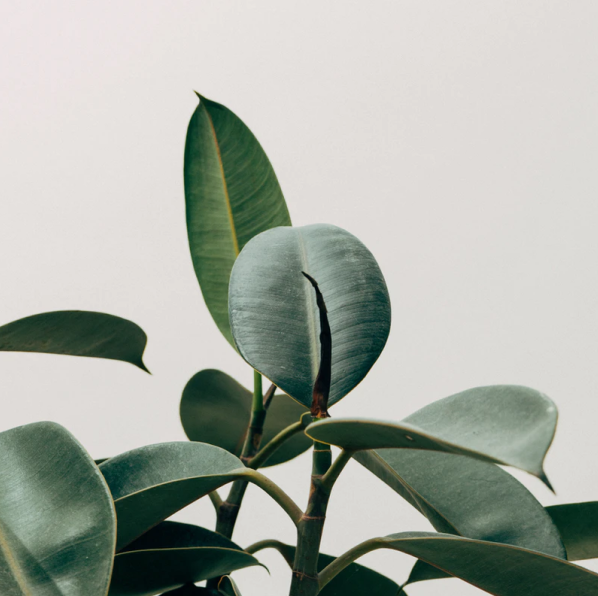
270	299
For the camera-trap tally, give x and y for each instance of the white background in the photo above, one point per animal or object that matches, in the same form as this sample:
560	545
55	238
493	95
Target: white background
458	140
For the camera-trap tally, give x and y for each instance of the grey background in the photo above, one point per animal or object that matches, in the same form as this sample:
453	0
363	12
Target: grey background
457	139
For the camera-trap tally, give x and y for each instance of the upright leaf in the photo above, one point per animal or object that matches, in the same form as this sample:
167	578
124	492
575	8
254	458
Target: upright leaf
275	319
56	516
76	333
504	424
231	195
215	409
228	587
578	526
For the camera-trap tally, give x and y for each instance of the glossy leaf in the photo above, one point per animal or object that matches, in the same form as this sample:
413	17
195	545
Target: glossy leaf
228	587
172	555
231	195
76	333
499	569
270	300
56	515
216	409
504	424
578	526
353	580
151	483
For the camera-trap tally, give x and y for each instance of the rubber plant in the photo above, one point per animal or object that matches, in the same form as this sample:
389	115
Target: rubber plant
308	309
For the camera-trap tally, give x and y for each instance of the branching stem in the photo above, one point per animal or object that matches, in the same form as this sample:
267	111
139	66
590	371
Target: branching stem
265	452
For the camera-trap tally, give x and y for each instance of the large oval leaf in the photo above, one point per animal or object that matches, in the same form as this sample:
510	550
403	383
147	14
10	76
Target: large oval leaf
215	409
231	195
578	526
499	569
172	555
504	424
464	496
76	333
274	316
56	515
151	483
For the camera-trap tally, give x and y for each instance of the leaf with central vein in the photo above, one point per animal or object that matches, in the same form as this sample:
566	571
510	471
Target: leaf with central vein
76	333
151	483
57	522
505	424
172	555
231	195
275	319
215	409
499	569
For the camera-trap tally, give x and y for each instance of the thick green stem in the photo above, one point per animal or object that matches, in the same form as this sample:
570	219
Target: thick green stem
310	527
265	452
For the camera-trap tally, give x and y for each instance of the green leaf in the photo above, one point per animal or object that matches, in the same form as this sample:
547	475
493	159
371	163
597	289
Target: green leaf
172	555
56	515
231	195
215	409
270	299
228	587
504	424
76	333
353	580
151	483
578	526
500	569
464	496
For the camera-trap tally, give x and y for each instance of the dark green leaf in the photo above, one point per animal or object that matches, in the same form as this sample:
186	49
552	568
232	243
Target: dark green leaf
151	483
499	569
172	555
216	409
56	515
504	424
578	526
270	299
231	194
76	333
228	587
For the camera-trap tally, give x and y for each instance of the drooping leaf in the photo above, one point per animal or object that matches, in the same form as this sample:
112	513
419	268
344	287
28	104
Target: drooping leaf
354	580
56	515
228	587
231	195
215	409
172	555
578	526
151	483
504	424
499	569
76	333
270	299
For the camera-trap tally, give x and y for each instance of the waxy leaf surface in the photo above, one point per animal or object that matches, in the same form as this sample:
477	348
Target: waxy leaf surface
57	522
216	409
505	424
578	526
228	587
151	483
76	333
498	569
231	195
172	555
274	316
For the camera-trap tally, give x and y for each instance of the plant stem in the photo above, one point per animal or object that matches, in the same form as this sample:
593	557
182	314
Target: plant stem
310	527
282	548
331	476
265	452
228	511
216	500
